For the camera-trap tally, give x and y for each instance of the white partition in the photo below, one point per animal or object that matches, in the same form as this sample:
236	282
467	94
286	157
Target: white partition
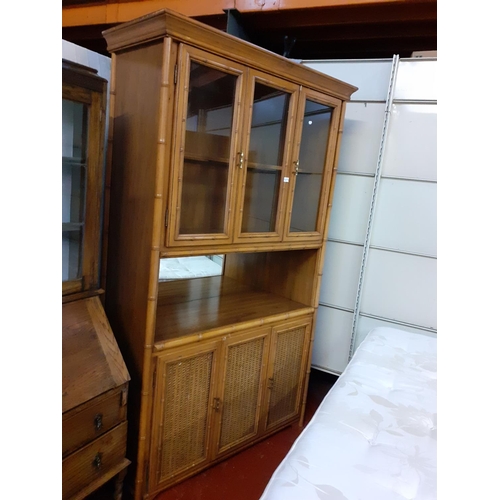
371	76
363	124
409	152
387	213
333	349
406	217
417	80
400	287
350	209
340	275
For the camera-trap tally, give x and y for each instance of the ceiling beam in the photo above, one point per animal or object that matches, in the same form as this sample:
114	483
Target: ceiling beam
119	12
326	28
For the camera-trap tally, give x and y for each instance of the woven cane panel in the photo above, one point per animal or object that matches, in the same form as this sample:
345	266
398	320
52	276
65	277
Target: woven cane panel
185	421
241	391
287	364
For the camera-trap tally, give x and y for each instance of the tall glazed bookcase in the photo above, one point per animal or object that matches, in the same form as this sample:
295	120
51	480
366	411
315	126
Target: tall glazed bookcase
216	147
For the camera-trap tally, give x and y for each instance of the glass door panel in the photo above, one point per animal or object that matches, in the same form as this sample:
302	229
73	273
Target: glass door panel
74	173
268	149
207	154
309	170
313	166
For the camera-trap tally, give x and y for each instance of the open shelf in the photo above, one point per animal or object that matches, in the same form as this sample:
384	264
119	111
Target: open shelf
215	305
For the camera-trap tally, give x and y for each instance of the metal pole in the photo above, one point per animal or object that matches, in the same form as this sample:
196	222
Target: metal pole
378	172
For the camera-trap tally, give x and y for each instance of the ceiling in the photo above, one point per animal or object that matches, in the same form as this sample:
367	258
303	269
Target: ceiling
357	29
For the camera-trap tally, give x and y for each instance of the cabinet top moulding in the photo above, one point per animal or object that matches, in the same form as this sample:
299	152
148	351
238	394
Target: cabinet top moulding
166	23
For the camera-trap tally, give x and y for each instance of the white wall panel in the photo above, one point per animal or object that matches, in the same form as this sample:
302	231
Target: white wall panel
340	274
411	146
350	209
416	80
370	76
400	287
406	216
332	341
69	51
81	55
367	324
360	144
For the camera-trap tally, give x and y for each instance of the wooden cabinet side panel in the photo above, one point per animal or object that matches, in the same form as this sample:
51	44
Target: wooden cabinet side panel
132	194
133	197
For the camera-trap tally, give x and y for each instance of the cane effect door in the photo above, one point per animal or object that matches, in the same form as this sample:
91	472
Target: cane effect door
312	165
266	153
245	363
206	145
183	411
287	365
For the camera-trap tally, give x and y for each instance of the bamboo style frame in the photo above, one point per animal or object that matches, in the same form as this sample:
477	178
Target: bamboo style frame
146	147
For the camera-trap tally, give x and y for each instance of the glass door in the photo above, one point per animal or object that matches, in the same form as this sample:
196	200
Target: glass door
74	176
313	165
205	149
267	150
83	122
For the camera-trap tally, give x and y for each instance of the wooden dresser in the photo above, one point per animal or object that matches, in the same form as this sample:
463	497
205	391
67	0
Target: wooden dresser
217	147
94	376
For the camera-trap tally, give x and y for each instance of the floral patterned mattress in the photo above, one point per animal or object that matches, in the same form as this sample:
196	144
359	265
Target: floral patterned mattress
374	435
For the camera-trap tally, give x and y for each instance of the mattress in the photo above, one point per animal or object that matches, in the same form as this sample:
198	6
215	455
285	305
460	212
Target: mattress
374	435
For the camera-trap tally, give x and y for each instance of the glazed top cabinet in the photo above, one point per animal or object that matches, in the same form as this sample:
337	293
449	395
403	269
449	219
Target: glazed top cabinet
255	149
216	147
249	135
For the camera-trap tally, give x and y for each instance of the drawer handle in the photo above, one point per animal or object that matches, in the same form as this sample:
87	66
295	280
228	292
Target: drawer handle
97	461
98	422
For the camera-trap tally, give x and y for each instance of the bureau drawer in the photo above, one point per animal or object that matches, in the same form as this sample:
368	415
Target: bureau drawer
93	461
91	420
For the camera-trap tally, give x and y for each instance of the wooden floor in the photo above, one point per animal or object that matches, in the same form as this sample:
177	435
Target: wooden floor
245	475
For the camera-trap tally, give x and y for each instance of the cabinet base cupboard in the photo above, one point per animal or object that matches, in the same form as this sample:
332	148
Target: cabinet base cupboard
216	147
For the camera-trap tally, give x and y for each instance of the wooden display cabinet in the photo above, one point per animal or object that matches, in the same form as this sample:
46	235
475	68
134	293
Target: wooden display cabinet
216	147
94	376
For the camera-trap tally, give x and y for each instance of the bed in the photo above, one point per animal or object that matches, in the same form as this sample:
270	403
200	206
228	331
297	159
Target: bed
374	435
